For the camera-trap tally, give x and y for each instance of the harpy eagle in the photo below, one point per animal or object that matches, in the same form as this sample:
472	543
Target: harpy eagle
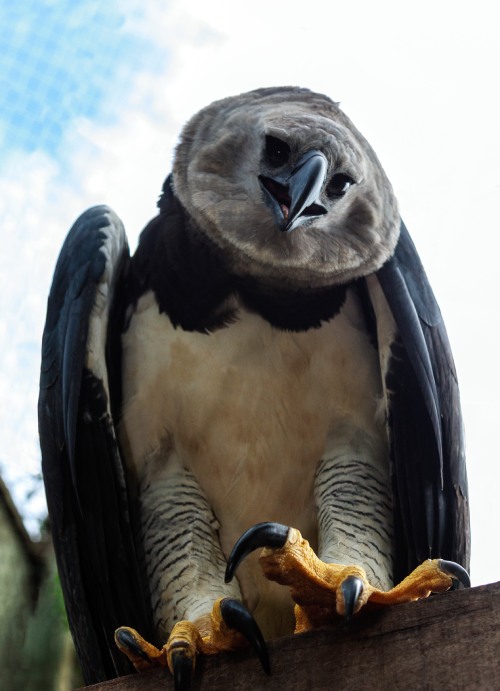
271	363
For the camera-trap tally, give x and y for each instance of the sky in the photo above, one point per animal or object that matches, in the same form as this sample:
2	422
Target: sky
93	100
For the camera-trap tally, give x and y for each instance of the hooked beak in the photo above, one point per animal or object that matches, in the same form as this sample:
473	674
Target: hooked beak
296	197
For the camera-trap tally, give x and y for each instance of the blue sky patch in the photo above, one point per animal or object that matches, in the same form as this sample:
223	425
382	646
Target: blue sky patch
62	59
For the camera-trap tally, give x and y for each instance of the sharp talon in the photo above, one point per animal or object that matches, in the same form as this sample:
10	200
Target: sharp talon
457	572
237	617
352	587
260	535
182	666
125	639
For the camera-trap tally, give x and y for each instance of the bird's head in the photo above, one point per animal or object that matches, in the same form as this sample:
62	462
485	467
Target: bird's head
286	186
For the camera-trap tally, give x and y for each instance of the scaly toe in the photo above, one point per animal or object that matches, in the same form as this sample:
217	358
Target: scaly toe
432	576
183	644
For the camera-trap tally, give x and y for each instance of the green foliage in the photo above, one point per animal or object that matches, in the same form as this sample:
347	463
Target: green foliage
45	660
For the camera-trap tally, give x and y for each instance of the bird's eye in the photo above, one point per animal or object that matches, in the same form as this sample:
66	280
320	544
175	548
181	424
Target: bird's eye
277	152
338	185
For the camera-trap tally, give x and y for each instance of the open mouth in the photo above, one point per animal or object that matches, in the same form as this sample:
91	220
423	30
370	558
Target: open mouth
279	194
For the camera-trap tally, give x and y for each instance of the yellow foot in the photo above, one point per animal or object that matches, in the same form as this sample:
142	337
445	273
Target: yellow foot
229	627
321	590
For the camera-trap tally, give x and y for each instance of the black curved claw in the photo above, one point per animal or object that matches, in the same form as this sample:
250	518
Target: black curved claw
182	666
125	638
352	588
237	617
259	535
457	572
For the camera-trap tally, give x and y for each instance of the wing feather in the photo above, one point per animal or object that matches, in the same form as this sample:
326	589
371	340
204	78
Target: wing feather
424	417
84	478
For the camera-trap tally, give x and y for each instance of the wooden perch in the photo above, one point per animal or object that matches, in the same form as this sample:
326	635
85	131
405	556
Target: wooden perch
450	641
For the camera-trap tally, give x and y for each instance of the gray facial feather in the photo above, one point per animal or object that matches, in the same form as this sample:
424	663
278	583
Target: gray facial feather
216	177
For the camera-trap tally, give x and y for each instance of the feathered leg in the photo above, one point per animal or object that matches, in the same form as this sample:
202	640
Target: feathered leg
185	568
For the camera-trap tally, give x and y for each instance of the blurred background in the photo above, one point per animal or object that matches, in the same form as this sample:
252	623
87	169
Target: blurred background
93	96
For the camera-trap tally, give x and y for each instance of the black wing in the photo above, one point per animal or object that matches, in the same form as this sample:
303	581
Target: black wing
83	474
425	424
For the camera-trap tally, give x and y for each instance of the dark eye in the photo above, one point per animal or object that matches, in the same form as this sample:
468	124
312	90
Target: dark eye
277	152
338	185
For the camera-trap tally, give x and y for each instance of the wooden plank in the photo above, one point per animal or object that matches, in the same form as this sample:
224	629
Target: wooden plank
450	641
